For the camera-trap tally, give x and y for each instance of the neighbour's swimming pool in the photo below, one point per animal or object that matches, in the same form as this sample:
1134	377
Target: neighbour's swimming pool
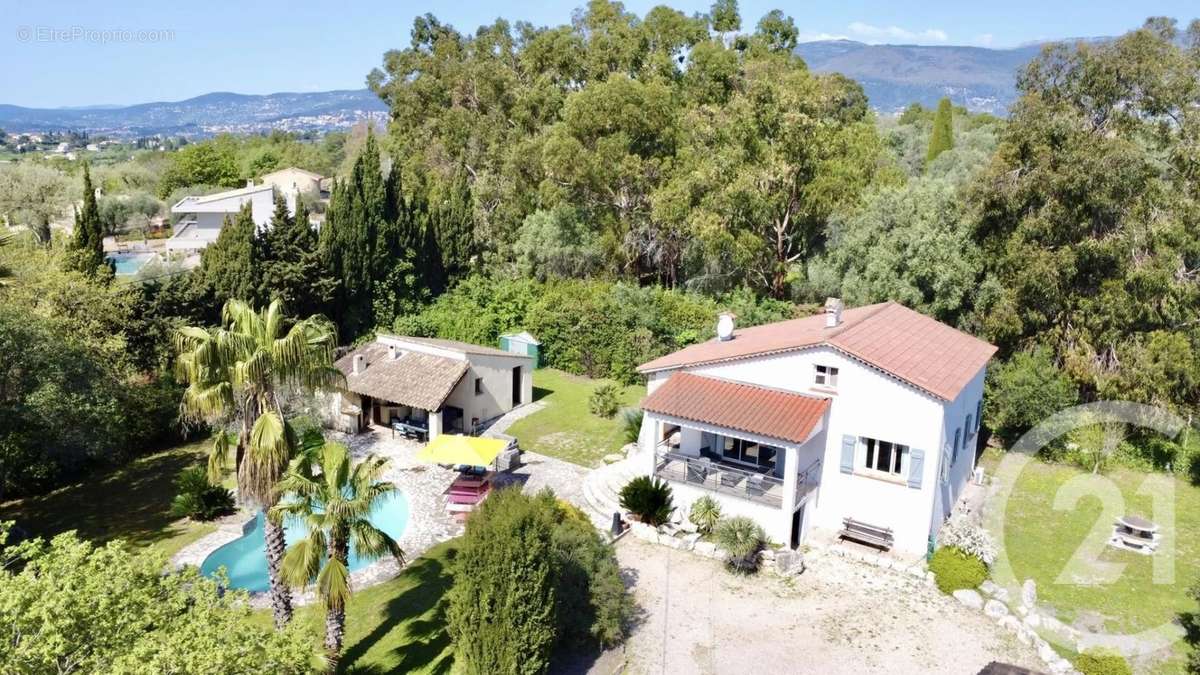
129	263
245	560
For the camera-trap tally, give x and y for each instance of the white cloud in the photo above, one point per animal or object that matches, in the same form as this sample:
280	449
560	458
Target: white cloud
869	33
984	40
815	37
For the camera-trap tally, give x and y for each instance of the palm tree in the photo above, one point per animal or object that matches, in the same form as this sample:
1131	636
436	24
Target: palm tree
335	504
233	374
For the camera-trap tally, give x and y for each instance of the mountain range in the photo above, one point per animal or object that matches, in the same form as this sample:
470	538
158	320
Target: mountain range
205	115
893	76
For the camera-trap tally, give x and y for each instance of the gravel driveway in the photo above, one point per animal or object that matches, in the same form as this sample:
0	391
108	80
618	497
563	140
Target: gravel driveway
840	616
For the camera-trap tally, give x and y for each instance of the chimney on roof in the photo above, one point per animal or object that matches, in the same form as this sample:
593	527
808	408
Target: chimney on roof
833	312
725	326
249	182
360	364
393	353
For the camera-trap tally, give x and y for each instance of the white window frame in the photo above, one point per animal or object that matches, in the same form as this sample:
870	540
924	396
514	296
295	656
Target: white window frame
867	459
825	376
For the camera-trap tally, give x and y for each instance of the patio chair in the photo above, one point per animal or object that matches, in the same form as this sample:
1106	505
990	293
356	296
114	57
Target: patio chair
754	486
730	479
697	472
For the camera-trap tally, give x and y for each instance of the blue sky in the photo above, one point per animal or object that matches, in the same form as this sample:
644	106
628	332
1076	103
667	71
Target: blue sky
53	53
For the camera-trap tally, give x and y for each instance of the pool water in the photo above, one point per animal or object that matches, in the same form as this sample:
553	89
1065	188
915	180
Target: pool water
245	560
129	263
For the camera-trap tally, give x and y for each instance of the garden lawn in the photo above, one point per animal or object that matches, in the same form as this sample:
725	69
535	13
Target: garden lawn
565	428
397	626
1040	540
130	503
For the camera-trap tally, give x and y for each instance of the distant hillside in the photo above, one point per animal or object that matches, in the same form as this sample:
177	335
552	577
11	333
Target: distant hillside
205	115
983	80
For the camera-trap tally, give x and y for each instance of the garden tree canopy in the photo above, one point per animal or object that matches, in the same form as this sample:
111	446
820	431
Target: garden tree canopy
209	163
292	272
74	607
910	243
68	340
632	122
1088	214
33	195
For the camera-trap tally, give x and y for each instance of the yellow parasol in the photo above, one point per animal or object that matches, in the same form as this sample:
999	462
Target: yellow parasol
457	449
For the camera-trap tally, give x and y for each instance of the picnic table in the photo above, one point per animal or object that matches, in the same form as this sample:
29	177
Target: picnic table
410	429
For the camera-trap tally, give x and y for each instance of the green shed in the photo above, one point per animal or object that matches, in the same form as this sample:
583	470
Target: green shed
523	343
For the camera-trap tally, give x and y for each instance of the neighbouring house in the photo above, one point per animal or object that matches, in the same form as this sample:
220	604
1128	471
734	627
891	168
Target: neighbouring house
294	180
870	414
429	386
201	218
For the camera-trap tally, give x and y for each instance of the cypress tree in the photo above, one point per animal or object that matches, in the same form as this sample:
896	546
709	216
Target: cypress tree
455	228
229	266
87	241
942	138
292	264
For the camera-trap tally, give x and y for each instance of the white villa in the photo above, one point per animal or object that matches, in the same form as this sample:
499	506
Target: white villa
857	421
201	217
426	386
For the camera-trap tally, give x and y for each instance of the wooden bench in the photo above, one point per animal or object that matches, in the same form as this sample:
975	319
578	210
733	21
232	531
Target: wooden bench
865	533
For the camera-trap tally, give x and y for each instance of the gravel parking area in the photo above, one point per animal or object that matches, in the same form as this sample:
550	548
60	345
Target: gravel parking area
840	616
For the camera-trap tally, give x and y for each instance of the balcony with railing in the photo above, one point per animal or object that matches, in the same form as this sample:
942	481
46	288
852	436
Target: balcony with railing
730	479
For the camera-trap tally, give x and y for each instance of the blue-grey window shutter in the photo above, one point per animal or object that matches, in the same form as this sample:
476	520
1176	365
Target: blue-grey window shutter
916	466
848	443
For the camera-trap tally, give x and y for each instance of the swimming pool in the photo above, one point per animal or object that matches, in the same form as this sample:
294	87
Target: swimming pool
129	263
245	560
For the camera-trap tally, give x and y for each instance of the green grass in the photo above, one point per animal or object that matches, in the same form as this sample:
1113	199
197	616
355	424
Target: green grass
565	428
130	503
397	626
1041	540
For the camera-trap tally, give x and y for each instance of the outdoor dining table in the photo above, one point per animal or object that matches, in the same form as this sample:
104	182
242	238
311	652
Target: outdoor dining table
409	430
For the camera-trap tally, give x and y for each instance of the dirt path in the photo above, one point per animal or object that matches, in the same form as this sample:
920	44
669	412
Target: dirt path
838	617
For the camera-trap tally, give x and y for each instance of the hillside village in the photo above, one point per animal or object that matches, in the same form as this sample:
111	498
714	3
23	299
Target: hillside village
637	343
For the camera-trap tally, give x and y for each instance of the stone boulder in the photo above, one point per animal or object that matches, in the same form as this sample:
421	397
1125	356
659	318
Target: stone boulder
969	597
1029	593
995	609
788	563
988	587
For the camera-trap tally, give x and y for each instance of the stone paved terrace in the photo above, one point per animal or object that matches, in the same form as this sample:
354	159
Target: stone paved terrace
423	485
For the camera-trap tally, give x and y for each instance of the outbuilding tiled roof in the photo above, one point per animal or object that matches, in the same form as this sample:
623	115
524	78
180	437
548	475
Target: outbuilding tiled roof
908	345
413	379
778	414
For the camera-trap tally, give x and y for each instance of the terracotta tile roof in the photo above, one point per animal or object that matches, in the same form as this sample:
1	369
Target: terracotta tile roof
455	345
908	345
744	407
419	380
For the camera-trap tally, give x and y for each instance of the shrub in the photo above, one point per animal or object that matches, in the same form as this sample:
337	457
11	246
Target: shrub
533	575
964	534
955	569
648	499
1102	662
198	499
1024	392
705	514
631	424
742	539
605	400
501	611
592	603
